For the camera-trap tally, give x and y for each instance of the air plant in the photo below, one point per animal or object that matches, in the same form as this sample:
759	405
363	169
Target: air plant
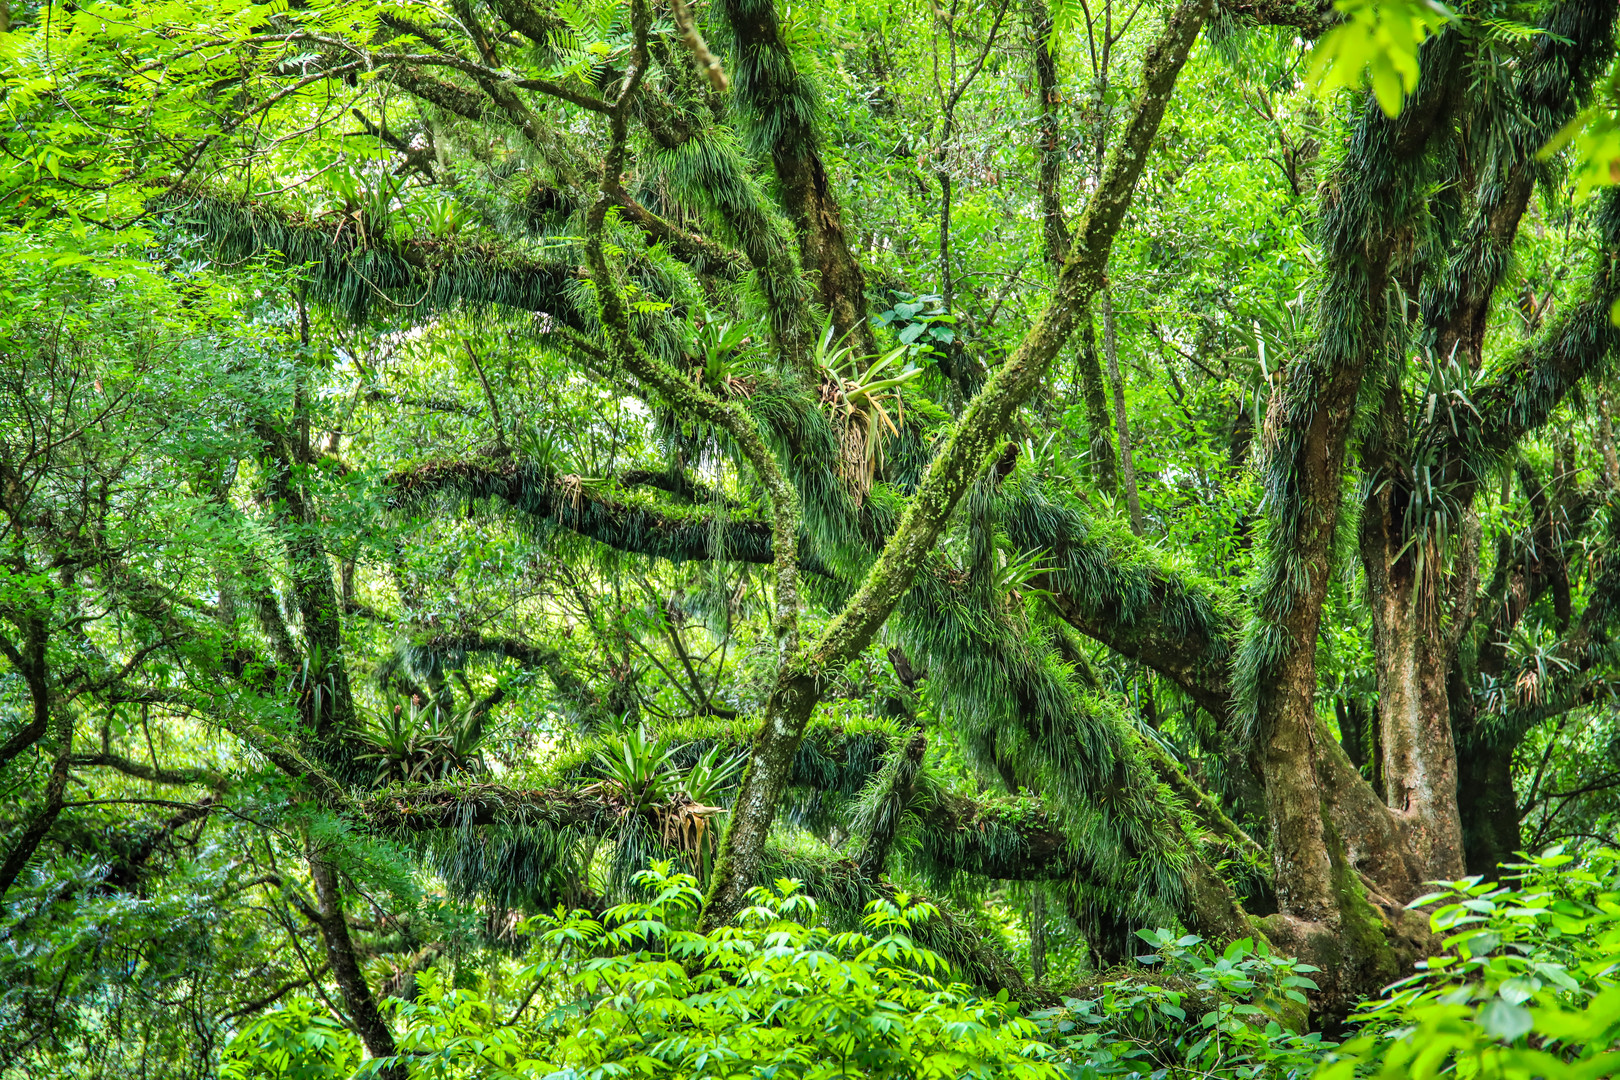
686	826
1013	572
442	216
721	346
409	744
639	767
369	200
862	392
709	777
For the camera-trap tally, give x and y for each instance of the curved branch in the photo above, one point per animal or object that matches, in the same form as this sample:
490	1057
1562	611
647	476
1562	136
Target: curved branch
181	777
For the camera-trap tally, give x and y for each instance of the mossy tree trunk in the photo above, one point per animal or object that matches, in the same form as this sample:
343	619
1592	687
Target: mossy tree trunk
780	107
1324	914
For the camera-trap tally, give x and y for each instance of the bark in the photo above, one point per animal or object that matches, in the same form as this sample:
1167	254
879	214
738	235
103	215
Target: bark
1412	659
888	814
1198	664
823	249
1037	937
60	725
183	776
541	26
949	476
1606	445
769	87
588	510
325	698
1323	911
794	696
345	964
1475	826
1488	806
425	807
1311	18
714	177
1127	465
1104	467
1465	305
1054	232
28	659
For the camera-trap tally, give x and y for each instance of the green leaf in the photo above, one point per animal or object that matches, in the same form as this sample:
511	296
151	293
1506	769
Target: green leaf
1504	1021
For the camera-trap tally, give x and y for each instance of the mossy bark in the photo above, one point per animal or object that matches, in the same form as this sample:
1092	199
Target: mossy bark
1099	428
1488	806
345	964
1054	231
1412	659
780	106
1366	207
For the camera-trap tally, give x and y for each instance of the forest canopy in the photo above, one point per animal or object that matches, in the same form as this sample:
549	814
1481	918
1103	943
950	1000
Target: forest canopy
654	537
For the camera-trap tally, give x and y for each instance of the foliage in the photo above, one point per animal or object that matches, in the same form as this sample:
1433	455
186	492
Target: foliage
296	1041
346	567
1526	984
1227	1013
644	994
1381	38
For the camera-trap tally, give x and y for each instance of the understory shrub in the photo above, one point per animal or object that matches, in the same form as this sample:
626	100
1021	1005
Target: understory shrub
1526	985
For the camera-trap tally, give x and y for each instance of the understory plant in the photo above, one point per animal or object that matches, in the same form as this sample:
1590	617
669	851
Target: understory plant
643	994
1190	1011
1527	984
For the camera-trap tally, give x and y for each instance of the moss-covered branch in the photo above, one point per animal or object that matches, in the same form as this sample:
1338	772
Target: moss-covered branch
355	270
1311	17
597	512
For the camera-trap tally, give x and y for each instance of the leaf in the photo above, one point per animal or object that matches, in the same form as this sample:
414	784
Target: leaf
1517	991
1380	38
1504	1021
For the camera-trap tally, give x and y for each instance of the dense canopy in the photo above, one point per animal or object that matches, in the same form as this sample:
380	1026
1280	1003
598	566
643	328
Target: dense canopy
1013	481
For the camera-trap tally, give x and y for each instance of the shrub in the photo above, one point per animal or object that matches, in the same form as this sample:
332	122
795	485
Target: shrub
1527	984
778	995
1197	1011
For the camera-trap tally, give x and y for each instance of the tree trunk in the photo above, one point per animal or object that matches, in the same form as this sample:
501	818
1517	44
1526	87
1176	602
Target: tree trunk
1327	913
345	964
1127	466
769	89
1419	759
1611	460
944	176
59	722
1488	806
1103	465
325	697
1037	935
1054	232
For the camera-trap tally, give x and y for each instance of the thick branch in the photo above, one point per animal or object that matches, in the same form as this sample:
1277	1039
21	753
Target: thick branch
181	776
